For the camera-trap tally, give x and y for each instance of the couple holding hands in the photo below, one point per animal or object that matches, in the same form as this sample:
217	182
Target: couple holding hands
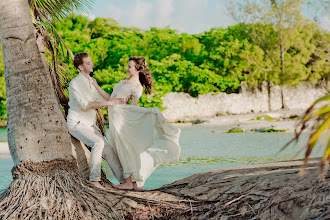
140	138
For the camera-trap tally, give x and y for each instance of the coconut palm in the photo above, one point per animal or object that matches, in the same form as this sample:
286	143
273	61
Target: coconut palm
47	183
317	117
38	139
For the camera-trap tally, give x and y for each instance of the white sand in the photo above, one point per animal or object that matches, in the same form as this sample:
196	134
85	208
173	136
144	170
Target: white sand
248	122
4	150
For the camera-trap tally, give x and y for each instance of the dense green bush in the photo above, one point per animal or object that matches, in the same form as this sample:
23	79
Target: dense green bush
217	60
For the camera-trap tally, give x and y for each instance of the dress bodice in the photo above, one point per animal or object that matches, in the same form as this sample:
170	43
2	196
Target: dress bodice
125	91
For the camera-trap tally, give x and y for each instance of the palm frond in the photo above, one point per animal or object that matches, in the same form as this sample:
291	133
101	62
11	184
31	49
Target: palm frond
317	117
43	12
56	9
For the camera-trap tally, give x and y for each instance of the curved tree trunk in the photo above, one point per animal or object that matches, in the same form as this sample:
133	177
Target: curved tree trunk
36	126
47	183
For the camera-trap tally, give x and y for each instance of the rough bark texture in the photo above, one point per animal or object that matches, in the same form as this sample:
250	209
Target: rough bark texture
36	126
265	191
55	190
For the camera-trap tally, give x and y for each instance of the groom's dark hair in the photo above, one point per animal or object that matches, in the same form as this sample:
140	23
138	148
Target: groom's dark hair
78	59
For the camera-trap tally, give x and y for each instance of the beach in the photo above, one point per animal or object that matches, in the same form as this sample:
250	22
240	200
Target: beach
281	121
4	150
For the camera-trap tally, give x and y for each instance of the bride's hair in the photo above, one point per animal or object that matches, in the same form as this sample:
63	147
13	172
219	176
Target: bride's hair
144	74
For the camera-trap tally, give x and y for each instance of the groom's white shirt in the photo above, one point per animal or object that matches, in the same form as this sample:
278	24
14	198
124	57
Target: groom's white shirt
81	92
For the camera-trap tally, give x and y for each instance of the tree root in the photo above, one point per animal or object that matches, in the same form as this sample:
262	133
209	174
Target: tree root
264	191
56	190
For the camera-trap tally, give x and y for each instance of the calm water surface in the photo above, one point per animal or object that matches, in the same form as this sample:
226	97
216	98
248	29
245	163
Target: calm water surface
203	149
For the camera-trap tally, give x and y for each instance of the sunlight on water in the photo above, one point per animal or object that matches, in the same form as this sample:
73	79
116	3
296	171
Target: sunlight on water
204	150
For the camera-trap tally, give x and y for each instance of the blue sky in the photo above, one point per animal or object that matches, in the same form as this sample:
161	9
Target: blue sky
191	16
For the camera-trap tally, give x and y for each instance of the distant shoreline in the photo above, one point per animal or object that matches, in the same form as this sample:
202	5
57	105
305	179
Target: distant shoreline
279	120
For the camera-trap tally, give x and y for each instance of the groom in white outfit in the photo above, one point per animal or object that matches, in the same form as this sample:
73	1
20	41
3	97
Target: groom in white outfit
81	119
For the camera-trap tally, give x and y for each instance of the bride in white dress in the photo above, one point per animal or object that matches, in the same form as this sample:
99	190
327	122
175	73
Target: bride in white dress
140	136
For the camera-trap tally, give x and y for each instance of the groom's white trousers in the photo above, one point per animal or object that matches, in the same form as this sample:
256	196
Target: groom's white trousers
93	138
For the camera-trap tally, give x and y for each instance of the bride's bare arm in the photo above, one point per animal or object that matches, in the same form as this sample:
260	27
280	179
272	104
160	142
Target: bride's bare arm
103	93
135	100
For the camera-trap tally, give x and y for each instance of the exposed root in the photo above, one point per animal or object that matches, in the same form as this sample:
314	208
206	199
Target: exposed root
264	191
52	190
55	190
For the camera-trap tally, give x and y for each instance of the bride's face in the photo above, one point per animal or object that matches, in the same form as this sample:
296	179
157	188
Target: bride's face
130	69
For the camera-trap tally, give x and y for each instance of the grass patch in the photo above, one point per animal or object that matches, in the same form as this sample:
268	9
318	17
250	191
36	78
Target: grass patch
266	118
271	130
198	121
235	131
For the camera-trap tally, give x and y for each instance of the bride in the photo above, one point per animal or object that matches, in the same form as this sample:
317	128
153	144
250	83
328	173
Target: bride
141	137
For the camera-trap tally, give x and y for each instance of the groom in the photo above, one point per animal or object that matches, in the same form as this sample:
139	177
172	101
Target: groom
81	119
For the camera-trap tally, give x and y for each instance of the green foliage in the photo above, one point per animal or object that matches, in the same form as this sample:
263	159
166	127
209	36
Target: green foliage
218	60
272	130
234	130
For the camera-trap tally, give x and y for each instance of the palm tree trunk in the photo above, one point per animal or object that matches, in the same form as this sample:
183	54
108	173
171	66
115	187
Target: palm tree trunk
38	138
36	126
47	181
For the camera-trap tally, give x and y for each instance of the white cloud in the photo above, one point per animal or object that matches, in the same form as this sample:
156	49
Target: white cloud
114	12
220	16
164	10
139	16
191	16
89	16
325	22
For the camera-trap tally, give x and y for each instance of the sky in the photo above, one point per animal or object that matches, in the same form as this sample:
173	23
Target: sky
190	16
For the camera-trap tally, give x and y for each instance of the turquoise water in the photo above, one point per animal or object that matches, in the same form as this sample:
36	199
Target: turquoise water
204	150
3	134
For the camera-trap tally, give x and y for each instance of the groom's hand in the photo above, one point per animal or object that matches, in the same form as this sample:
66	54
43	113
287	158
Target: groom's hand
116	101
94	82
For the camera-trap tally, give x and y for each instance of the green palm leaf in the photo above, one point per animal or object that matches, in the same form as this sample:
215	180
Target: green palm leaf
55	9
317	116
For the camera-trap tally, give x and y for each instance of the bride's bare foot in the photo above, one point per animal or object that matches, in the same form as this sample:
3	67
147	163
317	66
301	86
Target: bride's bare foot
124	186
136	188
98	185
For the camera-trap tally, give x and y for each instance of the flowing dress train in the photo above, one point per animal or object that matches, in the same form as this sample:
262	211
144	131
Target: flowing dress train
140	136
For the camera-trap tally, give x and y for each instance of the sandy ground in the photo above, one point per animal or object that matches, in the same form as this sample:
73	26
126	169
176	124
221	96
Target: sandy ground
245	122
4	150
280	120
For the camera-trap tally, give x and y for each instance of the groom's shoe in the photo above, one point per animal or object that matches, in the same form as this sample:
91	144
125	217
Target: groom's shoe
98	185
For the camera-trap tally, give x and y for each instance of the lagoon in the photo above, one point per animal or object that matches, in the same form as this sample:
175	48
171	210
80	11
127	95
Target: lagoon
204	148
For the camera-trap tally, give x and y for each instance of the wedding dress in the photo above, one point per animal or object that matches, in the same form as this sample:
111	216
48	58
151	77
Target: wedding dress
140	136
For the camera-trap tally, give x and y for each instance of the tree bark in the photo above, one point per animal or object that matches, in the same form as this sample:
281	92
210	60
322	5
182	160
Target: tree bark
282	49
36	127
48	183
269	96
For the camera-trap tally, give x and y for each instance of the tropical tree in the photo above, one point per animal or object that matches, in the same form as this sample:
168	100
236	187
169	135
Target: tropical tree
286	54
46	180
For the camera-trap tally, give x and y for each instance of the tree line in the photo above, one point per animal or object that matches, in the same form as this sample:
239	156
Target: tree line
218	60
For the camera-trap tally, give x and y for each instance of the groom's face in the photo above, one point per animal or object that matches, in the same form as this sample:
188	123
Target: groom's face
87	65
